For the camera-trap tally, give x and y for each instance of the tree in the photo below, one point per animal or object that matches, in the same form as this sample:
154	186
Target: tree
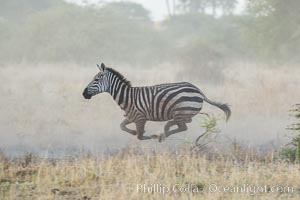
193	6
129	9
291	151
203	42
116	32
16	10
202	6
275	29
227	6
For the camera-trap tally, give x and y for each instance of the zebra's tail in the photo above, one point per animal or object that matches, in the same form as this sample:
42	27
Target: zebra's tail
223	107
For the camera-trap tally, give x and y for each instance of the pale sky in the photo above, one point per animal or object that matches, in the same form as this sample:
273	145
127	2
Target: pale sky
158	8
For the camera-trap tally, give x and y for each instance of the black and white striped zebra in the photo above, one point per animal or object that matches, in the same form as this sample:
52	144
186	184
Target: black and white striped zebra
176	103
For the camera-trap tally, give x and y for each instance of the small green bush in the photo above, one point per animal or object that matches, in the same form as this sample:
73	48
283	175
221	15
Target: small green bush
292	150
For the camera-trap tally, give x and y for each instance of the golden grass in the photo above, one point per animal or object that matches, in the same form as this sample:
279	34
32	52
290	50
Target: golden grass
119	176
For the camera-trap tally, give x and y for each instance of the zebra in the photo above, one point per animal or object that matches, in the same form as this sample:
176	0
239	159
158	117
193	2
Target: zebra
176	103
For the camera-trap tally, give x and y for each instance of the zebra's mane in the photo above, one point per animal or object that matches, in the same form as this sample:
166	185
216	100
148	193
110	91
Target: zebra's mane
119	75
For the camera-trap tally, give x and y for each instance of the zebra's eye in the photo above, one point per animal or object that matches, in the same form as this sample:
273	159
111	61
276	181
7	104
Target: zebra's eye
96	79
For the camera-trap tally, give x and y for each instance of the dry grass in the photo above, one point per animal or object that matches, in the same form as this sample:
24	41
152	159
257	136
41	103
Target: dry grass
118	176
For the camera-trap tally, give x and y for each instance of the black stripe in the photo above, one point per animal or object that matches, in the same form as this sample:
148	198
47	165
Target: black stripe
121	97
127	97
188	108
139	107
152	101
182	99
131	98
112	82
134	115
143	97
148	99
118	84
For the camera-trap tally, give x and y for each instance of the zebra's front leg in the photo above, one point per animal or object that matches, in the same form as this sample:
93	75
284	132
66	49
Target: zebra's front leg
124	128
140	128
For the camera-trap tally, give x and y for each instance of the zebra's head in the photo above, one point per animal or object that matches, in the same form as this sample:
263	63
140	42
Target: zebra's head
98	85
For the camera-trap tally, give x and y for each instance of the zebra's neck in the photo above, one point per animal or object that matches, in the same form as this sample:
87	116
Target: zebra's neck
119	89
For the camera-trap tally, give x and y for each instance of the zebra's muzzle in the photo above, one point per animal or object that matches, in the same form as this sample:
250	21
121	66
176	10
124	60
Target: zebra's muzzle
86	94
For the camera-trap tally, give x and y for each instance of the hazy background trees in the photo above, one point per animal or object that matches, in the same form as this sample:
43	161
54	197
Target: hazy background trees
196	33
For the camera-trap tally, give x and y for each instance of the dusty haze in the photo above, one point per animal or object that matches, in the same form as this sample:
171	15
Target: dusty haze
43	110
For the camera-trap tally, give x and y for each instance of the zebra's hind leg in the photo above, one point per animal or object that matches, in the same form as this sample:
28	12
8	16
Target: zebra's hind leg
140	128
167	132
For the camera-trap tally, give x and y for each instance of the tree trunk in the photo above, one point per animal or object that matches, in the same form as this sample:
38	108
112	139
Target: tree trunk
174	7
214	7
168	8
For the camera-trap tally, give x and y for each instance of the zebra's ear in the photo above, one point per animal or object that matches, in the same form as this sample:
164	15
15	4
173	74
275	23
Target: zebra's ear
102	67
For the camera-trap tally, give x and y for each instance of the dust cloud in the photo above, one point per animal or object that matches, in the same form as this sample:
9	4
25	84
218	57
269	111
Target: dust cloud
43	110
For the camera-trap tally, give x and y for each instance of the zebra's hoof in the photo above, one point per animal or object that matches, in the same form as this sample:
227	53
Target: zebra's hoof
154	136
162	137
134	133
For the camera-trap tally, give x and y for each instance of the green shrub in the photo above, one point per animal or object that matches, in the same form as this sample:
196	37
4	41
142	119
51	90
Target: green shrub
292	150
